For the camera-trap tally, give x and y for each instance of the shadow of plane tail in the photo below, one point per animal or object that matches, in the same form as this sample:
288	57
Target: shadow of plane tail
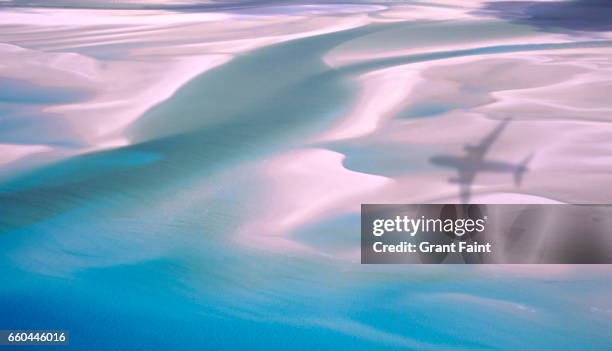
520	170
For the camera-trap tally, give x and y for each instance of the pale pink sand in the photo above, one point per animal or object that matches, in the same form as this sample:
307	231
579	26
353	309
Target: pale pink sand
383	93
571	150
483	34
74	18
305	186
161	52
12	152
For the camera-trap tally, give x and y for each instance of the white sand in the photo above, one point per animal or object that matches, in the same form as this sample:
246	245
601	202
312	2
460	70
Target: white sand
383	93
151	55
306	185
558	101
11	152
129	61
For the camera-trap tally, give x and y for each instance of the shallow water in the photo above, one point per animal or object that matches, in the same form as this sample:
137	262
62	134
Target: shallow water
149	245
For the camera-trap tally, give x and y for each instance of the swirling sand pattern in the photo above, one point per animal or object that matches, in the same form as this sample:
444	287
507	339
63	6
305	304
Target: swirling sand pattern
187	175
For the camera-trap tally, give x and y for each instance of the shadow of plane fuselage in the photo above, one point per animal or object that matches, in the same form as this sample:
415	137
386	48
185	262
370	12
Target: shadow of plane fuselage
474	162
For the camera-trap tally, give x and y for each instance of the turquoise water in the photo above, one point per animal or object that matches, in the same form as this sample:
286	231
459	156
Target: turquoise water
131	248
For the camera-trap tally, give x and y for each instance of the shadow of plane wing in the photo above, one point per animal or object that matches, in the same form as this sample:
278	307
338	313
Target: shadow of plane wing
472	163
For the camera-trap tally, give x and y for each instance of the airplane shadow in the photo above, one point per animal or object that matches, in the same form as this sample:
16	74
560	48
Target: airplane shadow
474	162
555	16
